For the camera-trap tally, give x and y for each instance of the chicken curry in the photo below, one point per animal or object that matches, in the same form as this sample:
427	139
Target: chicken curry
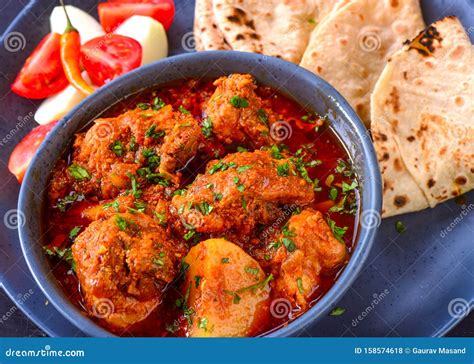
198	209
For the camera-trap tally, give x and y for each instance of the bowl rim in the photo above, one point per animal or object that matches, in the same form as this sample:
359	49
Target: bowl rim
364	240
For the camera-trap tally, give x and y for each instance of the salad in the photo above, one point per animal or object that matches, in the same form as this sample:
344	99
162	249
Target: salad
81	54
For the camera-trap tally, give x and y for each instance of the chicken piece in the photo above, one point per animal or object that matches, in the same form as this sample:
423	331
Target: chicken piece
234	112
148	144
306	250
228	291
123	263
240	191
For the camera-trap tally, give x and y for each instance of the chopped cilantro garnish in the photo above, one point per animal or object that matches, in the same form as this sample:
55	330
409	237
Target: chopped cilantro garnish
152	133
275	152
206	127
217	196
133	143
74	232
262	116
401	228
158	103
299	283
118	148
115	204
349	187
121	223
183	110
289	244
159	262
337	311
202	323
243	168
225	260
204	208
239	102
333	193
283	170
197	281
337	231
221	166
65	254
78	172
160	216
143	105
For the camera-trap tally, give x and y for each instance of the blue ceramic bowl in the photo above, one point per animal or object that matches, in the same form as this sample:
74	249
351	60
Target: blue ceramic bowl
291	80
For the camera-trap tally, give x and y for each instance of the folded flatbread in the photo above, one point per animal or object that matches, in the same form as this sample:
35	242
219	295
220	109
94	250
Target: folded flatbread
206	32
423	119
278	28
350	48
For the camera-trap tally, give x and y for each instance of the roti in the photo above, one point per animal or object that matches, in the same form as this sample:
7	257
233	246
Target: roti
206	33
351	47
423	106
272	27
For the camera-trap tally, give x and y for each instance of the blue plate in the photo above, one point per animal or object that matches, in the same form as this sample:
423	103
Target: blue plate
419	283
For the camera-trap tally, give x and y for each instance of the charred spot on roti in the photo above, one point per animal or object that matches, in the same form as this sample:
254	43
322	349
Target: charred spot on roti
383	137
385	156
239	37
394	3
460	180
397	164
254	36
319	69
411	138
387	185
431	183
394	100
250	24
400	201
405	75
234	19
425	42
443	150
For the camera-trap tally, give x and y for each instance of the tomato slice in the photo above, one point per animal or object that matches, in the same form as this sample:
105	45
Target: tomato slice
110	56
26	149
42	74
111	15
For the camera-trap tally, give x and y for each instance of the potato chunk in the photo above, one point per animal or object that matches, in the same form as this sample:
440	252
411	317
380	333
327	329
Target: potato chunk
228	290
